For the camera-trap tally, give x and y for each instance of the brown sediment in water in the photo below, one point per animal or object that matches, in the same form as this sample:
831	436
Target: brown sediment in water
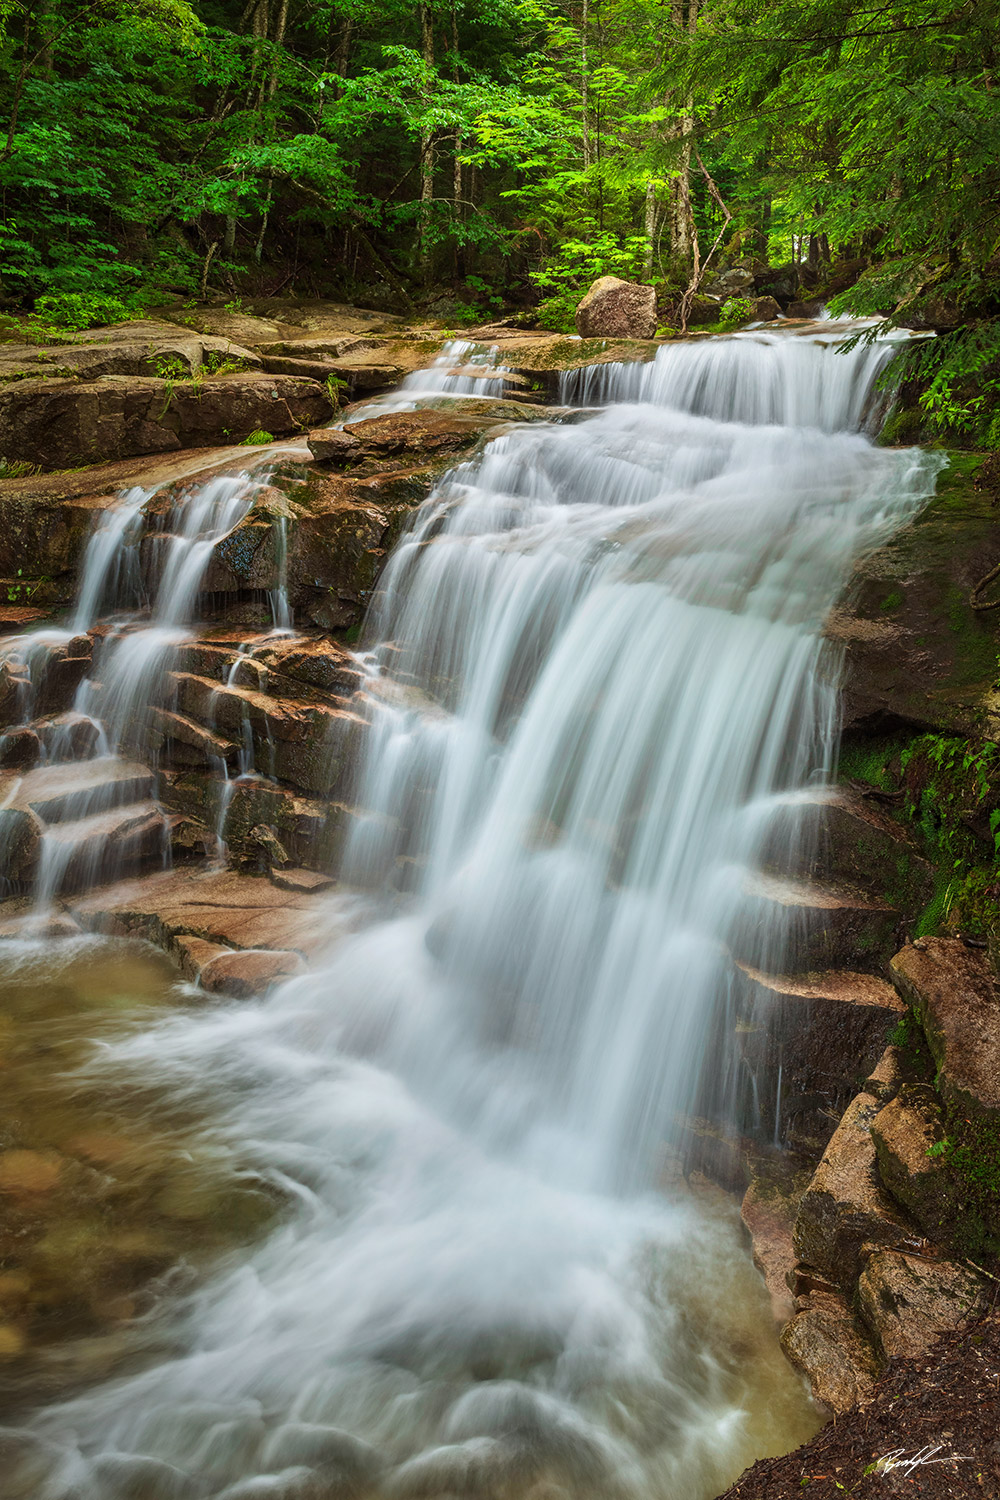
105	1185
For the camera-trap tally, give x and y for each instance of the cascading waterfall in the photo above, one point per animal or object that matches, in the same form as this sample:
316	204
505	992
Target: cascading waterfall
596	671
463	368
98	829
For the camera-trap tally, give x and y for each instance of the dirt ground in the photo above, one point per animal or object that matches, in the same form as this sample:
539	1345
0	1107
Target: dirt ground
932	1431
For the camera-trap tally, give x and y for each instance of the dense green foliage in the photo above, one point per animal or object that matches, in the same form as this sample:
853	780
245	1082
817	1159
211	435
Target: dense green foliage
504	151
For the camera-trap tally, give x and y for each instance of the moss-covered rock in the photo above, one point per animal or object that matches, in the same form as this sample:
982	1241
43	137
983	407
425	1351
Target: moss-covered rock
916	651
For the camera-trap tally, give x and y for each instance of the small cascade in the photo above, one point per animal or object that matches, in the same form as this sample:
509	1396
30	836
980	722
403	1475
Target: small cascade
462	368
89	807
281	614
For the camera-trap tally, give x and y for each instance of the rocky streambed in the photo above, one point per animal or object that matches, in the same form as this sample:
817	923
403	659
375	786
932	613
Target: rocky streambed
868	1115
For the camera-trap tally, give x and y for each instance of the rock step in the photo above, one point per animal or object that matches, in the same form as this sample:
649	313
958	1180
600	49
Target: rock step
805	1040
838	986
187	743
104	846
822	925
72	790
310	745
293	665
836	833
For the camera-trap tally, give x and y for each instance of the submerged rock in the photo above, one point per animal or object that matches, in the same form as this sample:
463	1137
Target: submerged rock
250	972
617	309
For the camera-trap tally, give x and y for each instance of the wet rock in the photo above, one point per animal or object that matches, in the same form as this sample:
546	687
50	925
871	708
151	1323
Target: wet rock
19	749
613	308
245	974
193	953
190	839
916	652
835	923
122	1476
43	538
267	841
20	842
906	1131
422	433
821	1029
180	741
69	736
307	744
16	618
234	910
766	309
907	1302
342	1461
845	1206
800	309
59	424
332	446
769	1216
824	1341
955	996
302	880
312	831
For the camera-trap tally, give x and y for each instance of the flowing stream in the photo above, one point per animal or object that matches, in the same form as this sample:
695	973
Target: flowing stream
595	670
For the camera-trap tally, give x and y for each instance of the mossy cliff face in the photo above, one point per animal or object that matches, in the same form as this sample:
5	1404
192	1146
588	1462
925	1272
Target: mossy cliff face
917	653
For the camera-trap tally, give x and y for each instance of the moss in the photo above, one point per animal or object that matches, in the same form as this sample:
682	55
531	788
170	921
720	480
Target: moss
893	600
971	1156
871	760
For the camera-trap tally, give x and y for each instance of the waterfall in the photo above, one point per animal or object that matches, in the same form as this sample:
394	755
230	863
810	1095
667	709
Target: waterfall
96	808
462	368
595	671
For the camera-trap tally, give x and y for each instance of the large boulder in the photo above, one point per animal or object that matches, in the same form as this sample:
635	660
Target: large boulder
955	996
845	1207
908	1301
909	1134
62	423
616	309
916	651
824	1341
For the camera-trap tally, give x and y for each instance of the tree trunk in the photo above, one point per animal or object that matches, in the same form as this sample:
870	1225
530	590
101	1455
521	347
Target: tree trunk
685	18
584	82
650	227
426	152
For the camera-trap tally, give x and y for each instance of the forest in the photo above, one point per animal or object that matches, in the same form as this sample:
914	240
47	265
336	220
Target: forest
479	157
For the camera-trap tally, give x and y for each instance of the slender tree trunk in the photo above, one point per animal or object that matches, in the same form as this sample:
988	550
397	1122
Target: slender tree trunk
650	226
426	152
685	18
456	180
584	82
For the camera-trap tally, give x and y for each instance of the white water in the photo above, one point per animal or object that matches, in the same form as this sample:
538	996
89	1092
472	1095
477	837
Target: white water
599	669
462	368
